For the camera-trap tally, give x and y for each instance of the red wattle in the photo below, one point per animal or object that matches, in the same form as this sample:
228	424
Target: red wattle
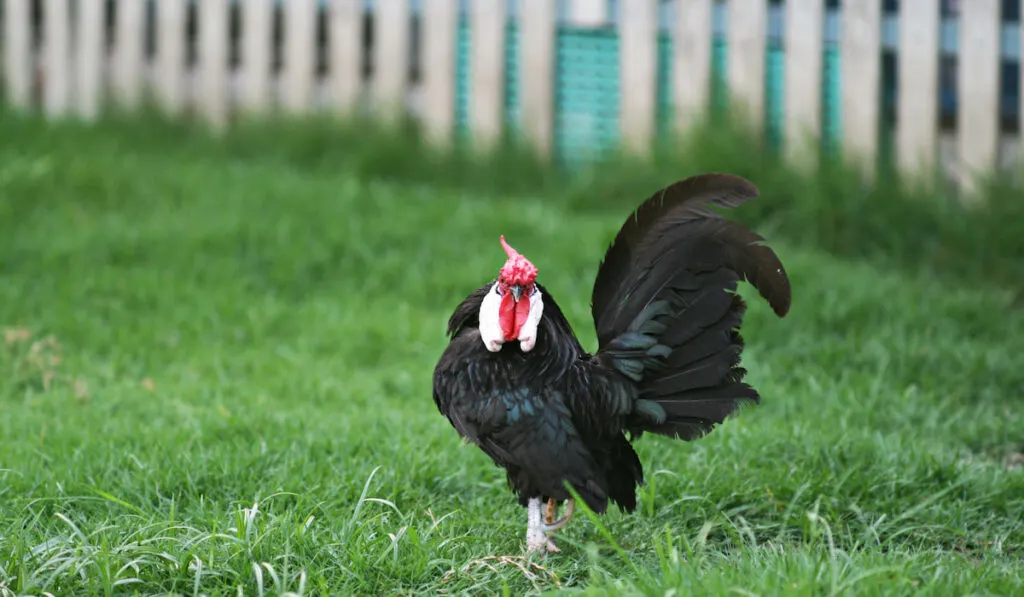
512	315
507	317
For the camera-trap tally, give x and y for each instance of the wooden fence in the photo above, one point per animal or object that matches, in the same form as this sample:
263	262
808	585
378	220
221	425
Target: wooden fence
872	77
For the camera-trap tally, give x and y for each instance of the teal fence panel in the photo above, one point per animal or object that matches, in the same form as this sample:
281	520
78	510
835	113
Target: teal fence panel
586	93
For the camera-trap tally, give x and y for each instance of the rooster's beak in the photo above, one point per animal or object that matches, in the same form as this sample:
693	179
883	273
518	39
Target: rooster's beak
517	291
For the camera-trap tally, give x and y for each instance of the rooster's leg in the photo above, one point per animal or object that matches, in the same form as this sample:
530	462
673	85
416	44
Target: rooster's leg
549	516
552	526
536	540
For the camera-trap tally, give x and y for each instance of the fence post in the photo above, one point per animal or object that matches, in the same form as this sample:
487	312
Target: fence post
537	60
346	53
692	62
861	45
917	110
978	90
18	53
638	72
213	61
257	46
746	43
391	60
128	51
802	79
487	71
299	55
56	58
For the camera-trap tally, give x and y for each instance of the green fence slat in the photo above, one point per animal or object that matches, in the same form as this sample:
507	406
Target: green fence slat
774	105
462	77
831	100
665	97
512	101
719	83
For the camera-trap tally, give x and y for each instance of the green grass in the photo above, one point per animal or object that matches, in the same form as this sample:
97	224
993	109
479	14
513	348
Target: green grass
215	377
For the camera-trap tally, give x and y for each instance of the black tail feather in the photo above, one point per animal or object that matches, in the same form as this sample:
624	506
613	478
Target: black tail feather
665	307
714	308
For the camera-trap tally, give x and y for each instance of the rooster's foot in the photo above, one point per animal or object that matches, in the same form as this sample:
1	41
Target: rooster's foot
536	538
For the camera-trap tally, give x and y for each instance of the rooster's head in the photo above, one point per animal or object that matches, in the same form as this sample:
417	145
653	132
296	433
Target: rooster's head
513	307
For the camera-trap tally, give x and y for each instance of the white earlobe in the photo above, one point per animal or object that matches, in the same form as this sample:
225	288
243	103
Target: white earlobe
528	333
490	326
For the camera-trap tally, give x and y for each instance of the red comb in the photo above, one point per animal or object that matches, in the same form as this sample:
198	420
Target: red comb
518	269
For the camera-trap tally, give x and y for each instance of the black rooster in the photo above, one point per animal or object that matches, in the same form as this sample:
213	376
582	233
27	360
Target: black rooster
667	319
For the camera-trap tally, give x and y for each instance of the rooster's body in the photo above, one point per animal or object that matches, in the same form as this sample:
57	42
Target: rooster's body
515	381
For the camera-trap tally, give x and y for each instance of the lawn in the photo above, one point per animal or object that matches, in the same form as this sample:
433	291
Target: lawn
215	375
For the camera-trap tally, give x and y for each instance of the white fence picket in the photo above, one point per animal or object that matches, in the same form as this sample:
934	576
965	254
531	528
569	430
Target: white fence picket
861	47
213	61
691	76
978	88
257	45
746	51
171	54
440	19
391	56
56	58
537	59
346	53
802	72
88	59
638	68
299	55
129	28
487	71
18	62
918	83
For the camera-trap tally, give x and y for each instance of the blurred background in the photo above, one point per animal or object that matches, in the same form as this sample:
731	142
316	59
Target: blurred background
844	114
883	80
